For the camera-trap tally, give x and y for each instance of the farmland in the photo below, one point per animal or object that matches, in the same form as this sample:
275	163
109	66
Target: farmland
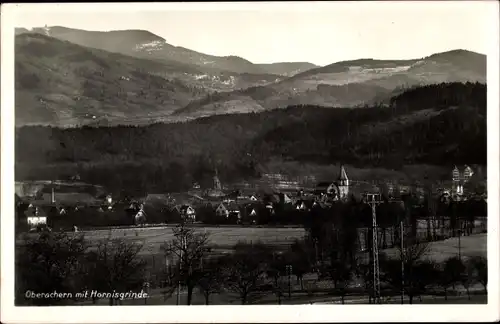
222	237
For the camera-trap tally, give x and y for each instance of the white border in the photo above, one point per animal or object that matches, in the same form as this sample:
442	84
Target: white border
227	314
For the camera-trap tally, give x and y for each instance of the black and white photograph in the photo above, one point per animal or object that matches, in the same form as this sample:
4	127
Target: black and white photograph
244	158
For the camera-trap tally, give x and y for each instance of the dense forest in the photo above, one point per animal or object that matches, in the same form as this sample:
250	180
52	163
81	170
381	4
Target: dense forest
443	124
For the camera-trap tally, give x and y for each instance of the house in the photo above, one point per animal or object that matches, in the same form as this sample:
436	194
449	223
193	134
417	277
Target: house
285	199
301	205
222	211
35	216
270	208
225	210
187	212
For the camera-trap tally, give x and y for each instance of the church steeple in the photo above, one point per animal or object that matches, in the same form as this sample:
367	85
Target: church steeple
217	184
343	180
343	183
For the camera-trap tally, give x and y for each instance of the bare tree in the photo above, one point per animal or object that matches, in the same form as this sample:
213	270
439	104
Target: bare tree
212	278
301	257
115	265
480	266
454	269
47	262
188	249
341	275
246	271
408	260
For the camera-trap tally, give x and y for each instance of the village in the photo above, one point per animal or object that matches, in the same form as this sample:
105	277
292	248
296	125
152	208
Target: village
73	205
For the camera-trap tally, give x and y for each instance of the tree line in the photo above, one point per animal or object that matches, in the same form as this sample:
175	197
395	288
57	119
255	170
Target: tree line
250	273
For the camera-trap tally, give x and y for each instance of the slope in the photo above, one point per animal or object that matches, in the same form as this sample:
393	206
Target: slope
62	83
287	68
353	83
144	44
125	42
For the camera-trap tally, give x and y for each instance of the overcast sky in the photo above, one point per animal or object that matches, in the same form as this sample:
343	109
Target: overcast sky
320	33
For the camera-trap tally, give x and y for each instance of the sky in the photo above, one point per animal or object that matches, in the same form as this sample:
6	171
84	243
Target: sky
318	32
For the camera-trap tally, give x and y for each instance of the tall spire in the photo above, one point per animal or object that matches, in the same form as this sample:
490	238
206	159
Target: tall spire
217	184
343	174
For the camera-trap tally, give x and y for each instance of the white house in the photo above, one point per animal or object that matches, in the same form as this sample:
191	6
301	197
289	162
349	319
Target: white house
187	212
34	221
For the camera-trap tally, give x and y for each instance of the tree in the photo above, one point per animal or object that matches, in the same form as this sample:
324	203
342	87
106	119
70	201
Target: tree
212	278
49	262
425	273
300	256
114	265
480	266
188	248
246	271
276	268
455	270
341	274
364	271
410	258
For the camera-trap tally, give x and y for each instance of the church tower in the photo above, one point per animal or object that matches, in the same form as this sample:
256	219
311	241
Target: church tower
457	183
217	184
343	183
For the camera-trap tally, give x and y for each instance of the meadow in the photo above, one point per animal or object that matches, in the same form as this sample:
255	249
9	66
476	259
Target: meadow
224	237
221	237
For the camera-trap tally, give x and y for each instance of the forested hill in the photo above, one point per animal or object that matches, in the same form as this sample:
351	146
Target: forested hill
442	124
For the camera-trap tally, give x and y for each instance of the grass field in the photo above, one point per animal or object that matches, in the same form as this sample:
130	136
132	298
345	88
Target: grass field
222	237
474	245
226	237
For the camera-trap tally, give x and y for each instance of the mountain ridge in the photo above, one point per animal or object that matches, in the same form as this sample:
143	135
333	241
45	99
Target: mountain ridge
352	83
152	46
42	59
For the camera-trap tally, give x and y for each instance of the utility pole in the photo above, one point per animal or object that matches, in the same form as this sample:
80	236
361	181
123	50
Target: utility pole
459	238
373	200
402	263
180	271
289	271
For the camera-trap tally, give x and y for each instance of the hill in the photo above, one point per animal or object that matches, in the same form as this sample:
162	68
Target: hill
442	125
144	44
349	83
61	83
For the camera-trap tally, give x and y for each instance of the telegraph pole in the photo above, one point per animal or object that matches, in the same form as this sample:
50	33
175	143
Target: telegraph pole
402	264
180	271
459	238
289	271
373	200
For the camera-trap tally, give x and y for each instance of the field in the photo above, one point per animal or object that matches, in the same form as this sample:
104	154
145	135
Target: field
474	245
225	237
222	237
